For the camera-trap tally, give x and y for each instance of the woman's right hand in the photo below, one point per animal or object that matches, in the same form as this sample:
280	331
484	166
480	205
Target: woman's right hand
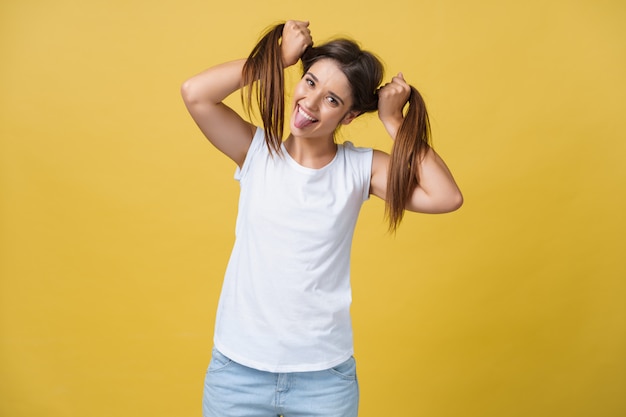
296	38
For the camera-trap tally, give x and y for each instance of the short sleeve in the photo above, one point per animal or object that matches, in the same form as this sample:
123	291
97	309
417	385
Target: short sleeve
257	145
361	161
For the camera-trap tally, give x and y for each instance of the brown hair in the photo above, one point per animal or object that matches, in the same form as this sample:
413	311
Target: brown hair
411	143
263	73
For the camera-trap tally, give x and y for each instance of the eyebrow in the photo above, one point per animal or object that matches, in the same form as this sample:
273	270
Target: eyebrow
310	74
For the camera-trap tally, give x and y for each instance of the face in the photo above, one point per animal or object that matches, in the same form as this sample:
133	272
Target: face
322	101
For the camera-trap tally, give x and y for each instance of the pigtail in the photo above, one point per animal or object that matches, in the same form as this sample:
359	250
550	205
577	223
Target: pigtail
263	76
412	141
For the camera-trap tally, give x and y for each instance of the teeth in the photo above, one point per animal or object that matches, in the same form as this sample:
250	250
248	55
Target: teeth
306	116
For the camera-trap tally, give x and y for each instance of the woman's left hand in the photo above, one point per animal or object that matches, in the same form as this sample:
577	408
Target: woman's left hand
392	97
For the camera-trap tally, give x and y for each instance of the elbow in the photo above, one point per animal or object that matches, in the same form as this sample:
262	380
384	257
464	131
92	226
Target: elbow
452	202
439	204
456	201
452	199
189	93
186	91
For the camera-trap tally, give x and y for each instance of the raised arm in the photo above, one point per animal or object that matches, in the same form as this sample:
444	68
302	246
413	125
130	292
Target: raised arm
203	95
436	191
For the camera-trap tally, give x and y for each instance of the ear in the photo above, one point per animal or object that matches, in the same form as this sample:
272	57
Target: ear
349	117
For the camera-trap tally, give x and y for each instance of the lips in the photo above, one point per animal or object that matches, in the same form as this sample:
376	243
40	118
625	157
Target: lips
302	119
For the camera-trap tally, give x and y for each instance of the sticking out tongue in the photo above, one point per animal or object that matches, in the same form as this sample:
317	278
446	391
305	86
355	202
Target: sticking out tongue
300	120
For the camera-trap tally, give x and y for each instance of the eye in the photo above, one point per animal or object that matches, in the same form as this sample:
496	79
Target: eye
332	100
310	82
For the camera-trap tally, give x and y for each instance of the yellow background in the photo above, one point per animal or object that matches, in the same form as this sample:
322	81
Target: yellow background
117	217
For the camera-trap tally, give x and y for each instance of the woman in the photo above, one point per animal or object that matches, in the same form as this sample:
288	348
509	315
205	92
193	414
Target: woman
283	336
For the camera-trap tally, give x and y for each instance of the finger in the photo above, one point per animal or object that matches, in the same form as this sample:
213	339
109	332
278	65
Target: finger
399	79
294	26
302	25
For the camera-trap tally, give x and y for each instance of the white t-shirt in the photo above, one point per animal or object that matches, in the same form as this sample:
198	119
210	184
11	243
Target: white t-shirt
285	301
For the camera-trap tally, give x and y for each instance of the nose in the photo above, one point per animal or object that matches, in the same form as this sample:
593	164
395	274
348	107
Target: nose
313	100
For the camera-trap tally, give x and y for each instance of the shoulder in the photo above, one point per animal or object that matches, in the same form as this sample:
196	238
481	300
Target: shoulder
380	165
257	143
358	161
259	135
355	153
257	146
349	147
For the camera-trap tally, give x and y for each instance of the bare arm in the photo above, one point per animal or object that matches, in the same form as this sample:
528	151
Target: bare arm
203	95
437	192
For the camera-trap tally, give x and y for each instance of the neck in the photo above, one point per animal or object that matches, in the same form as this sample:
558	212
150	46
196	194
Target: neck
311	153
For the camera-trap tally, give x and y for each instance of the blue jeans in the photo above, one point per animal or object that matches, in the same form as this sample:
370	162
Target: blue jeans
234	390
